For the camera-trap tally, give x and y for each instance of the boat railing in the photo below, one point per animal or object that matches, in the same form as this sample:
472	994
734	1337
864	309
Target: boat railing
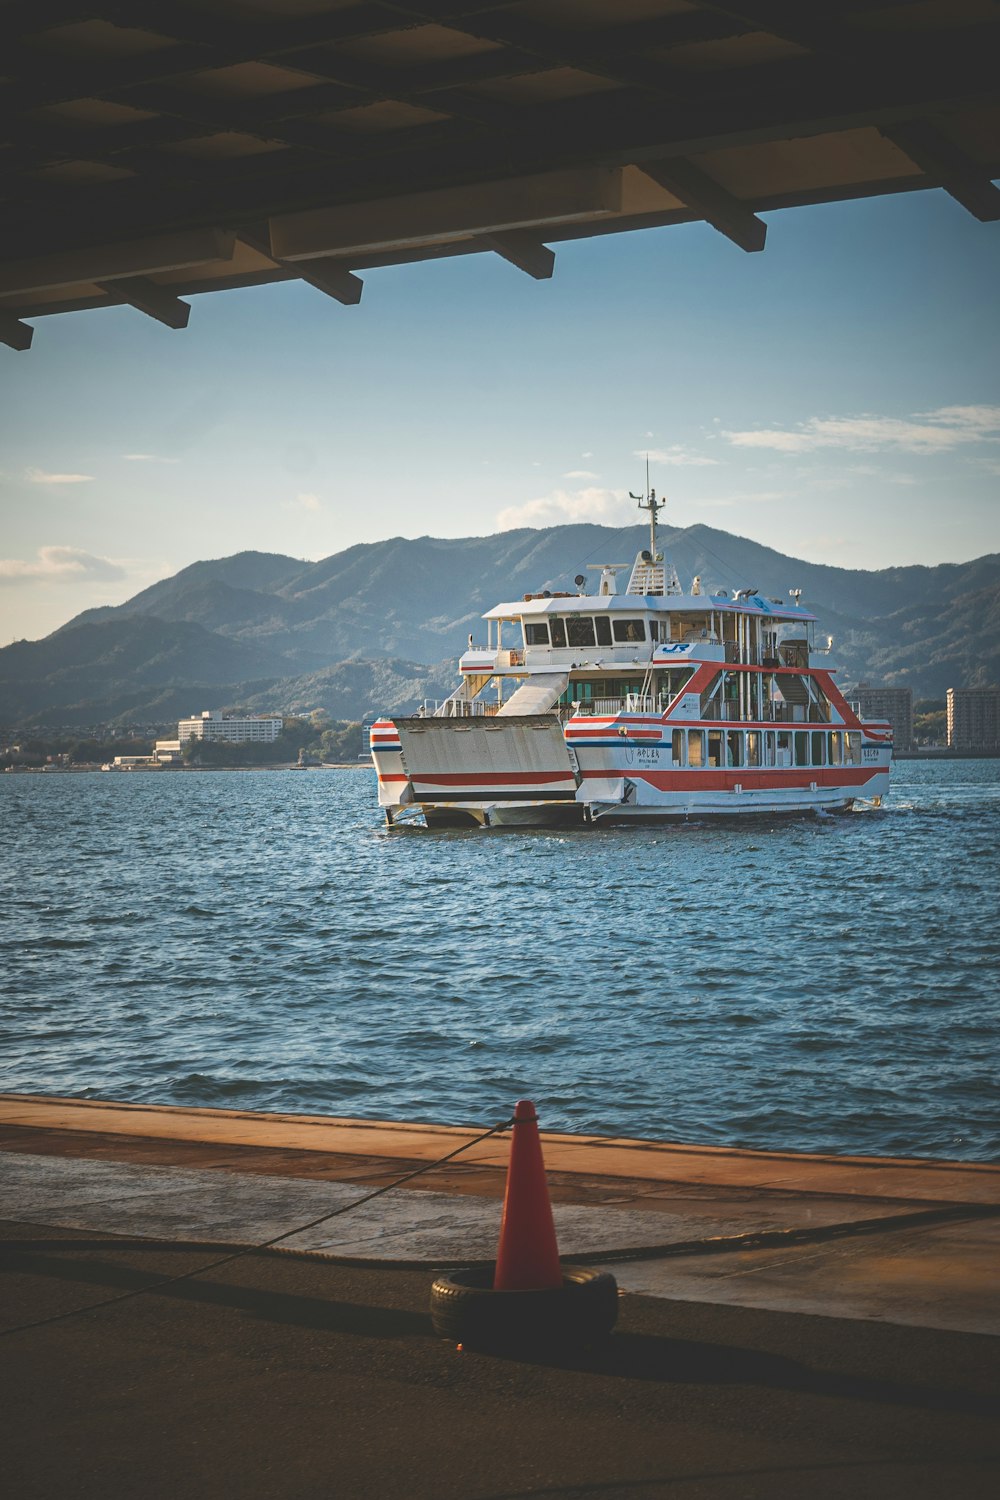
456	708
632	703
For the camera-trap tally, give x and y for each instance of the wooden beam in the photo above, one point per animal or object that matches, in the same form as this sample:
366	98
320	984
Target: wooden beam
326	273
167	252
14	333
947	166
446	213
329	275
525	251
146	297
703	194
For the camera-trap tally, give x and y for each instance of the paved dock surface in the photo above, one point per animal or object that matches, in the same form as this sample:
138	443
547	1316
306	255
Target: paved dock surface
792	1326
290	1377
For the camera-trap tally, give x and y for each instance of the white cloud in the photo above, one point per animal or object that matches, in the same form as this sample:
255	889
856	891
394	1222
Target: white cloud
147	458
984	419
306	501
40	476
675	456
606	507
61	565
580	474
937	431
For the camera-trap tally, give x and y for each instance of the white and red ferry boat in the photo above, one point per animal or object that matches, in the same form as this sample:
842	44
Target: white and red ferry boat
621	707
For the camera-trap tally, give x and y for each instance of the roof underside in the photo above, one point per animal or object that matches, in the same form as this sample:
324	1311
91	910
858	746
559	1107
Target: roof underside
155	148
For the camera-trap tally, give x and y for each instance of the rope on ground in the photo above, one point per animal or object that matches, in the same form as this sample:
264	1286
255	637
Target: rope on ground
225	1260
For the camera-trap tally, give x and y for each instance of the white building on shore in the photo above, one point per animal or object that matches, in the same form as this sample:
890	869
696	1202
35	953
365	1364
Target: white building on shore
212	725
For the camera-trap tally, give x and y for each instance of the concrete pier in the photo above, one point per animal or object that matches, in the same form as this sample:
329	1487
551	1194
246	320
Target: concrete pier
791	1324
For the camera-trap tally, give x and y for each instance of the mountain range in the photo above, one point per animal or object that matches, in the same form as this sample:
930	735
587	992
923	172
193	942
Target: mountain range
380	625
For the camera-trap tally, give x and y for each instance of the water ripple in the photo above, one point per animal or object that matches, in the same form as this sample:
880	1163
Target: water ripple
262	941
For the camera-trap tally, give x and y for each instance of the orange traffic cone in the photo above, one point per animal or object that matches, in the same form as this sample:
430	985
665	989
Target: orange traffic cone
528	1256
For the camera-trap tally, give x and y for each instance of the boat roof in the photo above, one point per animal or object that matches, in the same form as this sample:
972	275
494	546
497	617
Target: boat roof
588	604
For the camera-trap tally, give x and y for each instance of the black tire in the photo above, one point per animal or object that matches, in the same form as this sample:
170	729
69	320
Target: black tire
466	1309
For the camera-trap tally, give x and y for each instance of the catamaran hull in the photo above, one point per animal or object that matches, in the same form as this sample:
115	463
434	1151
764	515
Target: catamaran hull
526	774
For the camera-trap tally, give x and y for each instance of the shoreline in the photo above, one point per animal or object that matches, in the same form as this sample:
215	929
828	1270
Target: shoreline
290	765
909	1242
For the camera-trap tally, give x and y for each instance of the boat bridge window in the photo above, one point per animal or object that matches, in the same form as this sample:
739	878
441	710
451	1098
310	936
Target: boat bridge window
536	633
580	630
630	630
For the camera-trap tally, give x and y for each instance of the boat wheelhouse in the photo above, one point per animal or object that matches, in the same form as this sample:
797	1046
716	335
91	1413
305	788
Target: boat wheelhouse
617	707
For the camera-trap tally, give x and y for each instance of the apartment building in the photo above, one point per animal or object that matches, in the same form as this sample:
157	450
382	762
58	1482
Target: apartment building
894	704
974	718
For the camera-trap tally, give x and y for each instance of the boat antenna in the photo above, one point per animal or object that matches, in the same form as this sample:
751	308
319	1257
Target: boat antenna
654	507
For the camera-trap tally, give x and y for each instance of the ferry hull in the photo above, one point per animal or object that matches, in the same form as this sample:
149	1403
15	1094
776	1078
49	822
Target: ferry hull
538	773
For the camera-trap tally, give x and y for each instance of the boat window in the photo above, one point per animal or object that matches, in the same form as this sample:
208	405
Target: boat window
715	751
784	747
852	749
630	630
819	747
669	684
579	630
734	748
536	633
753	747
801	748
836	749
558	627
696	747
602	625
768	737
677	747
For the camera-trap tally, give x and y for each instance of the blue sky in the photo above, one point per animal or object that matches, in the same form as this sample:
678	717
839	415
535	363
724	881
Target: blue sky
836	397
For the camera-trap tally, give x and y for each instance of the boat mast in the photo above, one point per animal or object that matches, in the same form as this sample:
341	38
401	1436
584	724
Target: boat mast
654	507
649	577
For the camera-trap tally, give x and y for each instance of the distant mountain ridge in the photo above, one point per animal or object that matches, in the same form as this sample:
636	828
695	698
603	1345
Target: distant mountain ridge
352	632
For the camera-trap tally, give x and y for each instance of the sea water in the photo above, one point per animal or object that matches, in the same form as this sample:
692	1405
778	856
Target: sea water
259	940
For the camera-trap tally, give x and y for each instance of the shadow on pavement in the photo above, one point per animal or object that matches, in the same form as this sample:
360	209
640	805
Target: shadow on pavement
627	1355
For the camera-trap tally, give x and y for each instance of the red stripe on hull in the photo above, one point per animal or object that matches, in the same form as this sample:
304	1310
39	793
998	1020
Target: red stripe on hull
749	780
